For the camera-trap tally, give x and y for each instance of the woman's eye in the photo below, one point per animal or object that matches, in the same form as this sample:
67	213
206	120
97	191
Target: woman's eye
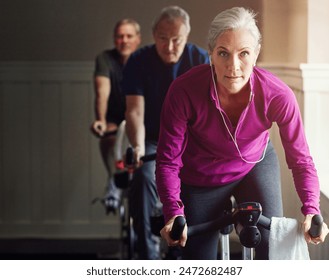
245	53
222	54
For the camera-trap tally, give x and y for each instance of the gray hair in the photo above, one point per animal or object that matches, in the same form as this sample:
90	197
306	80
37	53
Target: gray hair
231	19
171	13
127	21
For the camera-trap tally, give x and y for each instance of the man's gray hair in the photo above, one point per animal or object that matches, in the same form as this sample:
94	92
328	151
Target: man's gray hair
234	18
171	13
127	21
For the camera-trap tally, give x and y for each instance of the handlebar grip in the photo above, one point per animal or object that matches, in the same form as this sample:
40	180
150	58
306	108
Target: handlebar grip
316	225
149	157
109	133
130	156
177	228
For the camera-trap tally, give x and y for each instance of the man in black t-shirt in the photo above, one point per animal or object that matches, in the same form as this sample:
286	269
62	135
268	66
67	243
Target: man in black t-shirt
109	101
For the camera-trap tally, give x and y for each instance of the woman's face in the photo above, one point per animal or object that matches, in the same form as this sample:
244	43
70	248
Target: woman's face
233	58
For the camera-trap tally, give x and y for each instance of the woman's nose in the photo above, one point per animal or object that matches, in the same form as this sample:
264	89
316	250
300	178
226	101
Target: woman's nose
234	63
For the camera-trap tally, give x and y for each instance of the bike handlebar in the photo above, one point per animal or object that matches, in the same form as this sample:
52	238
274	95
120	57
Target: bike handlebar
316	226
130	156
177	228
219	223
265	222
149	157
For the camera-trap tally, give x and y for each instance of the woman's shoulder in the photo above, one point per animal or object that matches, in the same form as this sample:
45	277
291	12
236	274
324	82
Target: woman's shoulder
269	82
267	77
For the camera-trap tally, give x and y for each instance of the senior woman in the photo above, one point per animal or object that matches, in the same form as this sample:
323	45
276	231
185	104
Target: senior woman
214	139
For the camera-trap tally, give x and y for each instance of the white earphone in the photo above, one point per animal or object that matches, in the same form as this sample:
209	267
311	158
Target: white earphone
228	130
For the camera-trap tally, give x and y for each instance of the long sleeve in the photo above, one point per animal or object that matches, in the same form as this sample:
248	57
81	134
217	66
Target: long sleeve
171	145
285	111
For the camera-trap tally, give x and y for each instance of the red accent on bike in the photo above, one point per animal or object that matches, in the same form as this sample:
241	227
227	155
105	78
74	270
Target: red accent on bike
120	165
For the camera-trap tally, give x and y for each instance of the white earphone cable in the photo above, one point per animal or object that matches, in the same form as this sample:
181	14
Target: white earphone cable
228	130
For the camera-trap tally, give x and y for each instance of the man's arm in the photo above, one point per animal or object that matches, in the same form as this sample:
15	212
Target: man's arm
102	86
135	124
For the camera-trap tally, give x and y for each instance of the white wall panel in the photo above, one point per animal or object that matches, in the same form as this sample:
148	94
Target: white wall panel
50	167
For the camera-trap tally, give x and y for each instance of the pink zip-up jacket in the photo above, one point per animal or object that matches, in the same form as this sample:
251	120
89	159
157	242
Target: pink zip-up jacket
195	147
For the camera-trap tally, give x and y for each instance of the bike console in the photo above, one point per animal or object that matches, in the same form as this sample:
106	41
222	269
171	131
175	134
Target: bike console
246	217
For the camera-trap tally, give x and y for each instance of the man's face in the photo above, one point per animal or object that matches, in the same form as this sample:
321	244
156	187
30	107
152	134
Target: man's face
170	39
126	40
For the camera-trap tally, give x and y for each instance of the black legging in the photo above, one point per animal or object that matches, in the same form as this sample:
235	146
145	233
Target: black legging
262	184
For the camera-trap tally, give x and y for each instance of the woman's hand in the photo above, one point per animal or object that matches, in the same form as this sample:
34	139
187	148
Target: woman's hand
307	225
165	234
